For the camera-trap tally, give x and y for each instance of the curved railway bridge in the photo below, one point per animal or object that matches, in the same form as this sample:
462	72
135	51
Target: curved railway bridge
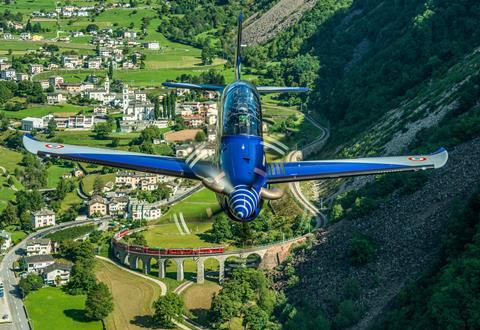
270	256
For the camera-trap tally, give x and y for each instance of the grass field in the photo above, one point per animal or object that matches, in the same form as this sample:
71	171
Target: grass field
194	210
43	110
132	296
90	179
54	174
51	308
9	160
198	300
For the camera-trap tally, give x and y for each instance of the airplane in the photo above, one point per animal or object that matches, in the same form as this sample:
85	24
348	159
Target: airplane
240	175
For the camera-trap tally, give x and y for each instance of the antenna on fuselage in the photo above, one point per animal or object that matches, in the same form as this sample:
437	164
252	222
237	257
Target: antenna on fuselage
238	56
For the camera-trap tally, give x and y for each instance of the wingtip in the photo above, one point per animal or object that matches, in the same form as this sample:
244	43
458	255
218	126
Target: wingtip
441	157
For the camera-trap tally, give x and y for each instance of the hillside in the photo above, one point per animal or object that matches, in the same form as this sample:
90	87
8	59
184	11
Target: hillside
407	232
393	78
263	27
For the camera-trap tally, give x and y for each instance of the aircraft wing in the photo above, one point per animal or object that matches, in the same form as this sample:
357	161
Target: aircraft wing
178	167
321	169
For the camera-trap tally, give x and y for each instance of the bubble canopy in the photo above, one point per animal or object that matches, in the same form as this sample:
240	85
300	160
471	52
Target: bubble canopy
241	110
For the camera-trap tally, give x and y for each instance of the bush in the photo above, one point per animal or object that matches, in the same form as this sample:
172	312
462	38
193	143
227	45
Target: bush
361	250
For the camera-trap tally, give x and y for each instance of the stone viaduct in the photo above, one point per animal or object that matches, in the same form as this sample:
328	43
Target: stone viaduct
270	256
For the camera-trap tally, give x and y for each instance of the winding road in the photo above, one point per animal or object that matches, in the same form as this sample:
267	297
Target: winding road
295	188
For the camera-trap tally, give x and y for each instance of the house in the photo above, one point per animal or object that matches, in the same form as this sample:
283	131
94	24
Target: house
42	218
94	63
72	88
25	36
100	111
38	263
211	134
35	68
97	206
194	120
140	180
31	123
8	74
5	241
44	83
153	45
38	246
142	210
56	98
52	66
22	76
7	36
78	173
139	111
5	65
184	150
55	81
129	34
57	274
118	205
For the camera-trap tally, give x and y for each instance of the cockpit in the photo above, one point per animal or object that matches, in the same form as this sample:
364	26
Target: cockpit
241	111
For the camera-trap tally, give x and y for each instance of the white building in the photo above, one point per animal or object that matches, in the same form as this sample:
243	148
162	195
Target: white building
38	263
38	246
31	123
118	205
35	68
22	76
129	34
142	210
8	74
153	45
56	98
42	218
57	274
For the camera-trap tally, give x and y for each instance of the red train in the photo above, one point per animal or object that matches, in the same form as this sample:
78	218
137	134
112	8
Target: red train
162	251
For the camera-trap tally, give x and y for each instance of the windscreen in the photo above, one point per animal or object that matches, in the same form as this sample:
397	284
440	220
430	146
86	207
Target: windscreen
241	111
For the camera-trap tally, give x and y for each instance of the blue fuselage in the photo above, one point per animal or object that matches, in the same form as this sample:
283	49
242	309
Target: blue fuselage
240	153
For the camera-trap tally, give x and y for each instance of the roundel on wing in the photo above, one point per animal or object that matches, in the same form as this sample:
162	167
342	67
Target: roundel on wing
54	146
417	159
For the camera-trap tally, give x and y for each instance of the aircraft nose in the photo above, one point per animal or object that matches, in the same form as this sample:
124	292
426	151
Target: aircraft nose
243	202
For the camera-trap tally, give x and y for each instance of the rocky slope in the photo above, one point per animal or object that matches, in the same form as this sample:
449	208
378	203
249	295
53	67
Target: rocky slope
260	29
407	231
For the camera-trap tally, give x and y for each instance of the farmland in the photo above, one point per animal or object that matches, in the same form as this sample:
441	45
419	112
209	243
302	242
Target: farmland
132	296
64	311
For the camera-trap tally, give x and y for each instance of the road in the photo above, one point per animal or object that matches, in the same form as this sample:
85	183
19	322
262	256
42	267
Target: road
295	186
17	309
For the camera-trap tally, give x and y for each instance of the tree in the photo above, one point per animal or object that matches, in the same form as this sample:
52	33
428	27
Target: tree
99	302
51	127
221	229
82	278
9	215
98	185
31	282
361	250
4	121
200	136
167	308
91	27
102	130
255	318
110	70
207	55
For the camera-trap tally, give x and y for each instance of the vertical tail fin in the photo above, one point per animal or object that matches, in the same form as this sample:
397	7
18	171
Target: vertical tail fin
238	58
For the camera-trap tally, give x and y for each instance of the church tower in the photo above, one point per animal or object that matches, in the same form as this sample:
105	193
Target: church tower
106	85
126	99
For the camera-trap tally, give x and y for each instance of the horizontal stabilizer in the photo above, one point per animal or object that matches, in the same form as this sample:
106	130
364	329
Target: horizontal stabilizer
204	87
274	89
